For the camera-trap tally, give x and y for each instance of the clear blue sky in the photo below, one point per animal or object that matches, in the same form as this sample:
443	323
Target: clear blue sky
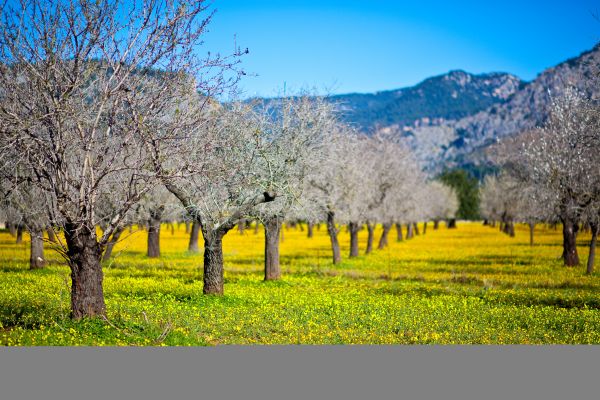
366	46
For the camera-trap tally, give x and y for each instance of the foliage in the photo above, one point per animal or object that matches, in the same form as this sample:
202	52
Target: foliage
467	189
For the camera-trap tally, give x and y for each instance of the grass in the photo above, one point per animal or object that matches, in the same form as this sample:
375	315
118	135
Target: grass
468	285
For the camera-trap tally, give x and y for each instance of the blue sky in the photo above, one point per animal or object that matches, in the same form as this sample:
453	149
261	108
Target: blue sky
366	46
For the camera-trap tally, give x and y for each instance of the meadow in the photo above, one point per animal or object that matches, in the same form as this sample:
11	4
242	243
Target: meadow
470	285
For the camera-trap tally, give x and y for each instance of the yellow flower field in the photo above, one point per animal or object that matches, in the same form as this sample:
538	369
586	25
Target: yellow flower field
467	285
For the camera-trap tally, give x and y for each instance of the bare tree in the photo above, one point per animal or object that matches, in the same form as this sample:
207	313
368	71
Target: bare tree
90	91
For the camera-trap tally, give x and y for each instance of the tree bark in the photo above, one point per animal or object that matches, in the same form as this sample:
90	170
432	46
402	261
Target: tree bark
213	262
416	225
531	230
51	234
194	235
399	236
272	268
12	229
371	234
354	228
154	237
451	223
84	252
110	246
570	256
332	231
36	256
19	239
592	255
383	240
436	224
424	227
241	226
409	231
511	229
309	228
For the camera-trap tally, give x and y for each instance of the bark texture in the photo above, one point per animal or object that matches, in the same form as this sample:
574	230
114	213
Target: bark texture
154	232
333	232
110	246
354	228
84	252
213	263
370	236
36	255
570	256
383	240
409	231
19	239
310	230
399	237
194	236
272	268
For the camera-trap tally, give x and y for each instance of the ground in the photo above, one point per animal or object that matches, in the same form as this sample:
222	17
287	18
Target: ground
472	284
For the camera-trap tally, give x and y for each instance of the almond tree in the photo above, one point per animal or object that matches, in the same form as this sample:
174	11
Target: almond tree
80	82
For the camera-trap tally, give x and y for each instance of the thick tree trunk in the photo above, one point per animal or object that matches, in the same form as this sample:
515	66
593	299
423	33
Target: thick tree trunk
19	239
383	240
51	234
87	296
371	234
436	224
424	227
592	255
354	228
272	228
531	231
416	224
570	256
409	231
310	229
36	256
451	223
332	231
194	235
154	238
399	236
213	263
110	246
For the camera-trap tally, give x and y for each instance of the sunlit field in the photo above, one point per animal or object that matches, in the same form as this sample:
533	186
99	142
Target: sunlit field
467	285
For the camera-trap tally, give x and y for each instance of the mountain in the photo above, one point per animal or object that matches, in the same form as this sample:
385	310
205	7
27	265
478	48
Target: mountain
453	95
462	142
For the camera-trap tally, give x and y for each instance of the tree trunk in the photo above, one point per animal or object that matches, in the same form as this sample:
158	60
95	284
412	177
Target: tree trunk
531	229
451	223
154	237
51	235
399	237
36	256
371	234
332	231
570	256
113	240
172	225
592	255
241	226
84	252
300	226
416	224
409	231
19	239
383	240
493	223
272	228
353	228
436	224
194	235
12	229
213	262
424	227
309	228
511	229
